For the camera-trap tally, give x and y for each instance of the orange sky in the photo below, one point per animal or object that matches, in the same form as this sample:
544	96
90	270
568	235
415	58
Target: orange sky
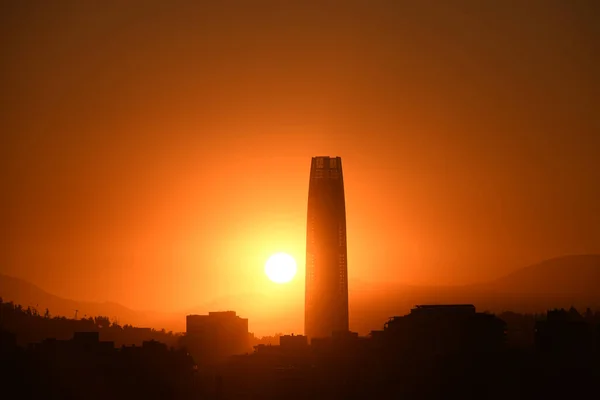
155	154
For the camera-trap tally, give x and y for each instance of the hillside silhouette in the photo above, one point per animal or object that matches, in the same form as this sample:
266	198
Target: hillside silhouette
568	275
27	294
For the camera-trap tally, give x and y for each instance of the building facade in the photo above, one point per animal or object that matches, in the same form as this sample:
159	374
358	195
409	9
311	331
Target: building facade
326	292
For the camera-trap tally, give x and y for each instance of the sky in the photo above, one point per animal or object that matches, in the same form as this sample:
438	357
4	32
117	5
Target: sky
156	153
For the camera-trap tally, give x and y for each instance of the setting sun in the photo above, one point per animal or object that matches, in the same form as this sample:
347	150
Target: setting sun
280	268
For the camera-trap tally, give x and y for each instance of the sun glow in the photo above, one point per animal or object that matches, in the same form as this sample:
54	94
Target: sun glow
280	268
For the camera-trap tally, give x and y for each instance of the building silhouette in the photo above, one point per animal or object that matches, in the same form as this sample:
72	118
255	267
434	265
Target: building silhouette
443	329
82	344
564	333
86	367
217	335
293	343
326	292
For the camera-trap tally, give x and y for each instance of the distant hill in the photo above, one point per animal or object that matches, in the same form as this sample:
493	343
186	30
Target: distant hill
554	283
27	294
577	274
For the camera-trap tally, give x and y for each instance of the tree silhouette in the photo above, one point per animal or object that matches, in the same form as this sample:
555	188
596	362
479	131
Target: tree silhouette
101	322
574	315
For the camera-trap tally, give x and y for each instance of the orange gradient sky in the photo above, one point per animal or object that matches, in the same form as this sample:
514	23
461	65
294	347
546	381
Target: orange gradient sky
155	154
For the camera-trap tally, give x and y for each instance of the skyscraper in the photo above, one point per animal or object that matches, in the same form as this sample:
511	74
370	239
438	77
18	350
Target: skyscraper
326	293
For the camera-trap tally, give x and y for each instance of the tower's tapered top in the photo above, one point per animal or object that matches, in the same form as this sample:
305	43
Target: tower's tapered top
326	162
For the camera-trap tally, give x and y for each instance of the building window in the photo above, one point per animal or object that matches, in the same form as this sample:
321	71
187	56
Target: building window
333	163
341	237
319	162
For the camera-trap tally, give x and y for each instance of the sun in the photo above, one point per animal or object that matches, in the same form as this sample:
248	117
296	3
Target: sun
280	268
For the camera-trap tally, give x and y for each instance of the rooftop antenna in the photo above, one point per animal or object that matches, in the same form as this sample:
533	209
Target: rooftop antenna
76	311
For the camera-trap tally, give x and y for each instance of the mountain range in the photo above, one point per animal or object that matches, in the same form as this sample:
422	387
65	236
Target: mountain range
559	282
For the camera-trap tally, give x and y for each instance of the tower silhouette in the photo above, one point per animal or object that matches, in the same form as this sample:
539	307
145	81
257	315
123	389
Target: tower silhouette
326	292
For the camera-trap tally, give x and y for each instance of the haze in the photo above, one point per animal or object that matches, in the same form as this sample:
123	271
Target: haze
156	154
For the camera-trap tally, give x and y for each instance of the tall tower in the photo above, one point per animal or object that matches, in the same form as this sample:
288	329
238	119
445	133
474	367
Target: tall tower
326	293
